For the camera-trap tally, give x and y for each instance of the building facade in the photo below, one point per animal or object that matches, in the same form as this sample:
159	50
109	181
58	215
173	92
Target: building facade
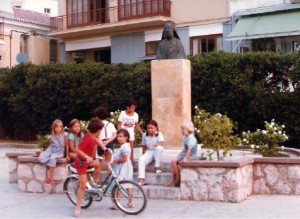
23	36
129	31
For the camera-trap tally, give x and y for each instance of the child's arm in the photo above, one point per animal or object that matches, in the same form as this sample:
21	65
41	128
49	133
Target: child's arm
119	125
187	155
67	147
112	138
144	148
138	127
122	160
100	144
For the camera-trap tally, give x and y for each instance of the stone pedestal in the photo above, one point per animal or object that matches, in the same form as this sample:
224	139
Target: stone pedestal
171	97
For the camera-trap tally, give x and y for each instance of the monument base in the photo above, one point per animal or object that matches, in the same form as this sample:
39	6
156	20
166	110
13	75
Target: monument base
171	97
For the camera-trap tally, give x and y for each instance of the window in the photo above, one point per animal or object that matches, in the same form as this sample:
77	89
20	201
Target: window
151	48
53	50
79	57
47	10
103	55
24	44
205	44
267	44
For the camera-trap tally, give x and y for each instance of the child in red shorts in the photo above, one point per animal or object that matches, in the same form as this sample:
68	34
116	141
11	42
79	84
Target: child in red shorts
85	153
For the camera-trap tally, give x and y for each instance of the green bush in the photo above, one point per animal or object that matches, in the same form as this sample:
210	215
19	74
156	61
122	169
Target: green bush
244	87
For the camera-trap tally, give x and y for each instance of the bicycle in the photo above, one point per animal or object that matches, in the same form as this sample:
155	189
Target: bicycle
122	191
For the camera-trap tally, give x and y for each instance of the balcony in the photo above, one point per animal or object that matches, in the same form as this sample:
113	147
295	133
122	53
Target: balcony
112	15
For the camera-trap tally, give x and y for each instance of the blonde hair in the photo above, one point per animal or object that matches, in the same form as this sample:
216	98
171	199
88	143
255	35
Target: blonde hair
56	123
188	125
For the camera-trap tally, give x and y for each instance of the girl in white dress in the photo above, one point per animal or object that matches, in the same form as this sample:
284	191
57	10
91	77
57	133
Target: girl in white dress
122	163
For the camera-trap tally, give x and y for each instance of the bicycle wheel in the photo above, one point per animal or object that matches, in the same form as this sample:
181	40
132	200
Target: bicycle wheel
126	192
71	186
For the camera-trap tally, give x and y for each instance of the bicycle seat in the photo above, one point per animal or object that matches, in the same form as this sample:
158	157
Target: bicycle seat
72	168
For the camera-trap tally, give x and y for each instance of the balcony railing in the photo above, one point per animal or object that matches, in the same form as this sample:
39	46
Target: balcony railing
112	15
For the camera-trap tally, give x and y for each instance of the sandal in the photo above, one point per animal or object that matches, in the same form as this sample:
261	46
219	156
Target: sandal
130	204
114	207
77	213
158	171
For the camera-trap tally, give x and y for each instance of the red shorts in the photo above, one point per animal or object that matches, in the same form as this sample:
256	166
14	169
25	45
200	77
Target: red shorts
81	166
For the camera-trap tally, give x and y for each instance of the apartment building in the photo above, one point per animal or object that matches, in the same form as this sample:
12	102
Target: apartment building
129	31
23	35
258	25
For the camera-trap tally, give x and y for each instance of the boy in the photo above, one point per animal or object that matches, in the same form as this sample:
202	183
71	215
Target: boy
85	153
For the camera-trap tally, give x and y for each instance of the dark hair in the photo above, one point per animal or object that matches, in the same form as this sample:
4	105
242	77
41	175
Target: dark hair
154	123
95	124
102	113
130	102
125	133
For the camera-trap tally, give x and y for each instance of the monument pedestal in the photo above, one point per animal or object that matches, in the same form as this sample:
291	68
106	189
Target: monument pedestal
171	97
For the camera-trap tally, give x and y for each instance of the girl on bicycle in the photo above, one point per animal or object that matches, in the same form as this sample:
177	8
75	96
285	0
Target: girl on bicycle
122	163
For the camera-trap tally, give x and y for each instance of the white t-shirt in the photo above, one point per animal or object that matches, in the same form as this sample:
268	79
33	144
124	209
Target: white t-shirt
110	130
128	123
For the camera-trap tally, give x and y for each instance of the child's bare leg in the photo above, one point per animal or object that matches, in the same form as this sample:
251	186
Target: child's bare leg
131	154
98	171
50	175
176	171
130	203
80	192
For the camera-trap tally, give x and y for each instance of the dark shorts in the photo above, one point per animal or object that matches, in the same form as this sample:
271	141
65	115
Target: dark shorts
100	152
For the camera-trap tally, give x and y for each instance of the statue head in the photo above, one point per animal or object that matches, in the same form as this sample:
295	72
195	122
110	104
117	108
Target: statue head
169	30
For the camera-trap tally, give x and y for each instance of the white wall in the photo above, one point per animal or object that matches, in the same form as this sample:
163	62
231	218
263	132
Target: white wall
236	5
38	5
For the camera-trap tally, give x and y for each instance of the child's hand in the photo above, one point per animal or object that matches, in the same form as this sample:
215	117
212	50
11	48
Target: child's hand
184	160
89	160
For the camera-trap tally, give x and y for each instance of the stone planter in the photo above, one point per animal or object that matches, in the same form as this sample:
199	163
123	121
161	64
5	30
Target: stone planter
228	181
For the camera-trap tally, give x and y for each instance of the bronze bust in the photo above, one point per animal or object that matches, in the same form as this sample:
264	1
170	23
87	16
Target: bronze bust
170	46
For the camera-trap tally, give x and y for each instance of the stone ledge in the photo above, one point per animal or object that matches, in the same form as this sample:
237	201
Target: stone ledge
277	160
232	163
19	145
34	159
17	154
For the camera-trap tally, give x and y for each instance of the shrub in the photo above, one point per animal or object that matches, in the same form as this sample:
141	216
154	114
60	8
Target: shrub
215	132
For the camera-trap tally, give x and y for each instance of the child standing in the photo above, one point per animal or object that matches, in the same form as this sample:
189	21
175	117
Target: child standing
54	151
122	164
152	142
128	119
74	138
86	151
107	137
189	151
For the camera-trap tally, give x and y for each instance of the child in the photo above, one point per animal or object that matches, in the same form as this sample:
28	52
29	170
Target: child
189	151
152	142
85	153
122	164
74	138
54	151
128	120
108	135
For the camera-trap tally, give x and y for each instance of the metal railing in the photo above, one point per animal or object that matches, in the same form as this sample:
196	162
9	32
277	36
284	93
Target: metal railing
112	15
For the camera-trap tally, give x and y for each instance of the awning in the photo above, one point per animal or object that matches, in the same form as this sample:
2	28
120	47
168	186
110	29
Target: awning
265	26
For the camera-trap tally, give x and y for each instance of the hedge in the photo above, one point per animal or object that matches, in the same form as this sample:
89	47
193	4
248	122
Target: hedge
243	86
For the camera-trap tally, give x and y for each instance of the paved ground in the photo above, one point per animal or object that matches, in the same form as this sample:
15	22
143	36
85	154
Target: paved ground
16	204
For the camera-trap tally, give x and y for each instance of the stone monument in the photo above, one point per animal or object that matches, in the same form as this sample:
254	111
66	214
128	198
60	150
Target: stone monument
171	86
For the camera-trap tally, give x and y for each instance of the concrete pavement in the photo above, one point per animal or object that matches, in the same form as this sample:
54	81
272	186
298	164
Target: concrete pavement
16	204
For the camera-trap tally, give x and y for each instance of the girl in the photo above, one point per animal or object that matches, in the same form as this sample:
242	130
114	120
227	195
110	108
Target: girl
55	150
152	142
128	120
122	164
189	151
74	138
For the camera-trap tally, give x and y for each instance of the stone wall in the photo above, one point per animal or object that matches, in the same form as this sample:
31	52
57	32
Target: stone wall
276	176
31	175
217	181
